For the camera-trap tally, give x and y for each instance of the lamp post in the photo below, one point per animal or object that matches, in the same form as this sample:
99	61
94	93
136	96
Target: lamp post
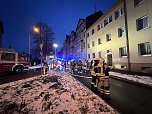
55	46
41	53
36	30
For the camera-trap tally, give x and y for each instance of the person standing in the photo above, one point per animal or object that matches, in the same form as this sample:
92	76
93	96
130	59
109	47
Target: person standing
79	67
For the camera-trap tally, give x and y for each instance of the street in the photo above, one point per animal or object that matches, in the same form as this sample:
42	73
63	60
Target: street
126	98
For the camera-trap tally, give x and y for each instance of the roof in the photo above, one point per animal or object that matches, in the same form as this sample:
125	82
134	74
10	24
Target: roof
93	18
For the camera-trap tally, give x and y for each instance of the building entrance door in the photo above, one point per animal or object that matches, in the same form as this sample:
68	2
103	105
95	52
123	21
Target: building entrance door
109	59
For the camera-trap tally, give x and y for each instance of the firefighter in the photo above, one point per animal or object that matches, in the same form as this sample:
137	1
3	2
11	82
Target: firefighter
79	65
45	67
72	66
106	85
94	82
97	72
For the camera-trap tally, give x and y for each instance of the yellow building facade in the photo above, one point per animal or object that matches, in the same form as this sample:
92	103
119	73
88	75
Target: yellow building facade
107	37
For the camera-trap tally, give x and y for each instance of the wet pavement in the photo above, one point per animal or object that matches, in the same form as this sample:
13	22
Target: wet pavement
126	98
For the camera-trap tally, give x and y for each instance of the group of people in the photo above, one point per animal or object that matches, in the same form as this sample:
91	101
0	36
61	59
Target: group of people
99	72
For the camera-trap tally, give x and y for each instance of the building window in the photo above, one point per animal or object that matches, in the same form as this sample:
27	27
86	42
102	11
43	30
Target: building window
101	25
119	13
142	23
98	27
136	2
108	20
87	35
93	44
89	56
100	54
121	31
99	41
108	37
93	55
144	48
92	31
88	45
123	52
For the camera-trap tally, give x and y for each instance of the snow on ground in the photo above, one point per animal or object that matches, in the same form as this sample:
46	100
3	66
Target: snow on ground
136	78
56	93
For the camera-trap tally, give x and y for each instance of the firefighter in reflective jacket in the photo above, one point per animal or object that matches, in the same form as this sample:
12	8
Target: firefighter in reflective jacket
97	70
104	83
79	65
72	66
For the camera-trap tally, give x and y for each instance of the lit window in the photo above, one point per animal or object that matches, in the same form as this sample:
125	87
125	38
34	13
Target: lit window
93	55
108	37
99	41
136	2
100	54
142	23
123	51
144	48
121	31
93	44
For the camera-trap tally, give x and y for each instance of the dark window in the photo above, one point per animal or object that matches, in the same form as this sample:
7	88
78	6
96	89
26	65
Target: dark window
92	31
8	56
93	44
88	45
98	27
87	34
110	19
99	41
105	22
121	31
93	55
136	2
89	56
144	49
100	54
123	51
108	37
142	23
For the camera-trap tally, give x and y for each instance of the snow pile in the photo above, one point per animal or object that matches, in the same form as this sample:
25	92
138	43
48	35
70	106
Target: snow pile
136	78
57	93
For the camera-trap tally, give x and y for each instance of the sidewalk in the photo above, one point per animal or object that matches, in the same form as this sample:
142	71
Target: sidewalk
145	81
56	93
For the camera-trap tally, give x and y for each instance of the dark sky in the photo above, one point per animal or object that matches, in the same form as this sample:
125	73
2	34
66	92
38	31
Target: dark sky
19	16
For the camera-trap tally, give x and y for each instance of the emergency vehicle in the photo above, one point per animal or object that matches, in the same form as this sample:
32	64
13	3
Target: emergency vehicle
13	61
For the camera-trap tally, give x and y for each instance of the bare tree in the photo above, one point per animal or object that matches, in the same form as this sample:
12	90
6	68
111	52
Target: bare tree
45	35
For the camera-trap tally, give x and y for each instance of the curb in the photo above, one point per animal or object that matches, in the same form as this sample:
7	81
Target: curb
132	82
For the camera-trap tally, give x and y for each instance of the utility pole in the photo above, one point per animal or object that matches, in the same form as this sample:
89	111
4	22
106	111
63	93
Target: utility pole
127	39
1	33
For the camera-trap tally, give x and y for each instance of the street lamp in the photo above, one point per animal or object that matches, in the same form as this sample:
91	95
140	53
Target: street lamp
36	30
55	46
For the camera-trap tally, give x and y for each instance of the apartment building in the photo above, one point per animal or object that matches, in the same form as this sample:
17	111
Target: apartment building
122	36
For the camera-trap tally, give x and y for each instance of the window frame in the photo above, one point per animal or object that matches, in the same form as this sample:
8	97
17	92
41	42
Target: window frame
141	18
120	52
108	37
139	49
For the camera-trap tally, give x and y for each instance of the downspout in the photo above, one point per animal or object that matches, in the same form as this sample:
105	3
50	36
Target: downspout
127	39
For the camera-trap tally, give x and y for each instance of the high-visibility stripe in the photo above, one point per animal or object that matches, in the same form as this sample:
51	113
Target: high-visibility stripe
92	83
106	91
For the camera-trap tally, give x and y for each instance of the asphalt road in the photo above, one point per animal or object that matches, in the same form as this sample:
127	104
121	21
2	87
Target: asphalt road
126	98
11	77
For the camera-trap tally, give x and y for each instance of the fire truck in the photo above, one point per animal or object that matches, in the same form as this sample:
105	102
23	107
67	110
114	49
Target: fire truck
13	61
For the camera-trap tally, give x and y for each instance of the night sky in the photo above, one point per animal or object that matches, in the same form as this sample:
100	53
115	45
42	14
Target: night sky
19	16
